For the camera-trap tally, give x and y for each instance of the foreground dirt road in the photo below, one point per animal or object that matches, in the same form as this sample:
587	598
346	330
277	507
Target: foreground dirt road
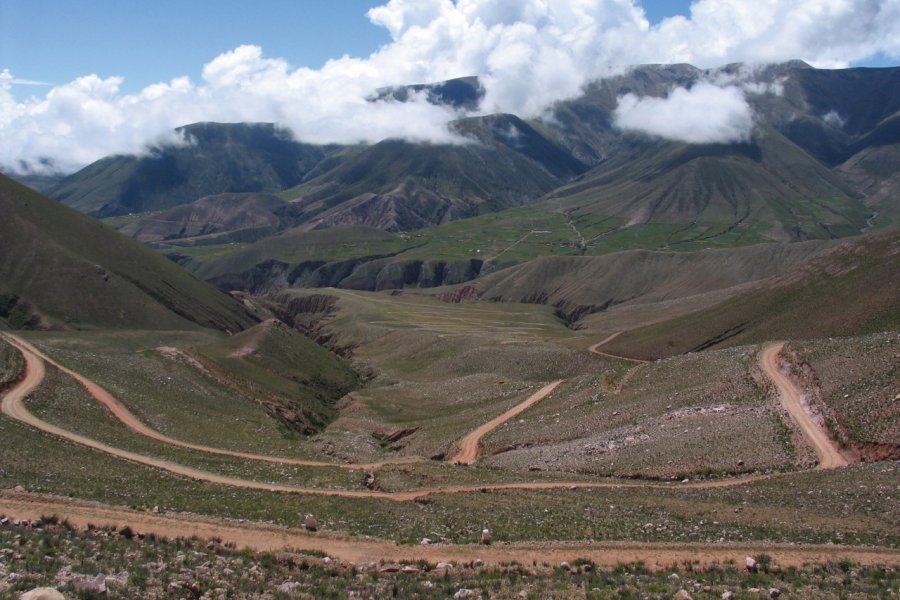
470	446
791	398
365	550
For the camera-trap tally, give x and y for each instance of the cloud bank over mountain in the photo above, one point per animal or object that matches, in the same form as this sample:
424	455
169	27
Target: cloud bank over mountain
704	114
528	53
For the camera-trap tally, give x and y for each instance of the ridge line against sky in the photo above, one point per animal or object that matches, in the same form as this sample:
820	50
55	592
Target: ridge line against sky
528	53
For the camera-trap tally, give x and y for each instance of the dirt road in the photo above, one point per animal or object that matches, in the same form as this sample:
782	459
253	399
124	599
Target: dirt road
470	446
791	398
13	406
121	412
266	537
595	349
361	550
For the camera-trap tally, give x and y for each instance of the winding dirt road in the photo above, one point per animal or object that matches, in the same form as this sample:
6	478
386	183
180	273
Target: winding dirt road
121	412
470	446
595	349
827	451
13	406
266	537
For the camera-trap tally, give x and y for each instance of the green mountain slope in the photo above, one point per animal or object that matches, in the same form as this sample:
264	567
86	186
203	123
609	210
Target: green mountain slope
400	186
216	158
580	285
59	268
768	187
850	289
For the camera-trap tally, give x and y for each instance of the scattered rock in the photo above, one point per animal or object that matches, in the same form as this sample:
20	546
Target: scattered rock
19	489
682	595
486	536
288	587
463	593
42	593
390	569
478	563
85	584
674	577
426	541
310	523
729	595
443	565
774	592
410	570
750	562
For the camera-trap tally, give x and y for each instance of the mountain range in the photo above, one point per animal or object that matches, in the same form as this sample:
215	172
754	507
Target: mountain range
234	201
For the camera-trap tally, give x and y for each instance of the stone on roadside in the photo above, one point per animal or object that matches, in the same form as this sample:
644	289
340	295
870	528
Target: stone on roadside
310	523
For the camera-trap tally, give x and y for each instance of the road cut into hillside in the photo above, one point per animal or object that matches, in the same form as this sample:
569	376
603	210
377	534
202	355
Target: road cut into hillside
826	449
595	349
121	412
470	446
364	550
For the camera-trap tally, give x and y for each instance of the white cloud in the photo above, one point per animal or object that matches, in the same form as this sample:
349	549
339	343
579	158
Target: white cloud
529	53
703	114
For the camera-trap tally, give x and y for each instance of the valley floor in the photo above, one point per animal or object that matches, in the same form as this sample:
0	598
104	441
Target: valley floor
559	469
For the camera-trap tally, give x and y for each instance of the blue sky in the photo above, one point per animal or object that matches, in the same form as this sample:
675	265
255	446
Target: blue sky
56	41
121	75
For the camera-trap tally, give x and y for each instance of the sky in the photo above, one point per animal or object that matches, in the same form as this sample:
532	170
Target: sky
81	80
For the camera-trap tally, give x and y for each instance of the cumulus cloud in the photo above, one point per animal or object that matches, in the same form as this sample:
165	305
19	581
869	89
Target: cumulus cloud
703	114
528	53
